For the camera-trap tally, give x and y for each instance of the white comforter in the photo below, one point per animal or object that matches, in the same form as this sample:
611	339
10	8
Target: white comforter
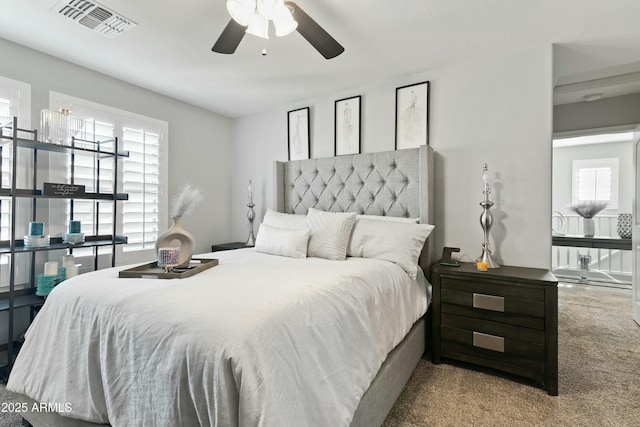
258	340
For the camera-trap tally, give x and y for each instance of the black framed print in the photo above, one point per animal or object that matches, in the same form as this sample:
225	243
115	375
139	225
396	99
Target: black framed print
412	115
298	136
347	126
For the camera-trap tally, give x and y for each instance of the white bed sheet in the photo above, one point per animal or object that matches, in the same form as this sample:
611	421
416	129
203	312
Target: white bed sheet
259	340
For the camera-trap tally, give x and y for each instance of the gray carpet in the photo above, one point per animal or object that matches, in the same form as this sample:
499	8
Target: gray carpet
599	381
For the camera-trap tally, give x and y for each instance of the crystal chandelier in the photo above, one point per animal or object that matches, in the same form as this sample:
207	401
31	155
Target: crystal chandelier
256	14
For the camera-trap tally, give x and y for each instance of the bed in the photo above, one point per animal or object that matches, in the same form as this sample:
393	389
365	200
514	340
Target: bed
290	310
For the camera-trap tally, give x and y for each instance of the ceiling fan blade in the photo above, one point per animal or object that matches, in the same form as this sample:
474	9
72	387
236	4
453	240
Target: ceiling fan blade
315	34
230	38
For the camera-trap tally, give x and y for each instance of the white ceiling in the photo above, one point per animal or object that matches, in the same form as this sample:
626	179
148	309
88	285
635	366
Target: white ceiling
170	50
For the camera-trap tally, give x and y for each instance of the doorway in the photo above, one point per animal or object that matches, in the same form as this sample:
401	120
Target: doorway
593	175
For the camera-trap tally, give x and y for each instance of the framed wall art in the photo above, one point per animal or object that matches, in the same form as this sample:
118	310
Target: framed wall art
298	135
347	126
412	115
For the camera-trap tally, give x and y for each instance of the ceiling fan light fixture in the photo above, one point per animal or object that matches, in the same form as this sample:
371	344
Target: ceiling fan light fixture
284	23
258	26
289	17
270	8
241	10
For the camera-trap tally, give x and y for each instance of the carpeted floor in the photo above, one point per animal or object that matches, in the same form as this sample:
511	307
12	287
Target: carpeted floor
599	381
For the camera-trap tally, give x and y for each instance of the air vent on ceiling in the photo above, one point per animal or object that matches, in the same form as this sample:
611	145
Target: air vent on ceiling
95	17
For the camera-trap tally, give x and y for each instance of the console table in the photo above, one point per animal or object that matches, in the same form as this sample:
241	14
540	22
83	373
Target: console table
591	242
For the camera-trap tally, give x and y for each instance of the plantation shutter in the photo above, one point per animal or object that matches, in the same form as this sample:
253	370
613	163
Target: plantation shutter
594	184
5	210
140	178
141	181
95	216
596	179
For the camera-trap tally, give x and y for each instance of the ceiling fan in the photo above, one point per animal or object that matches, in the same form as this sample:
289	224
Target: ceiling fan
253	16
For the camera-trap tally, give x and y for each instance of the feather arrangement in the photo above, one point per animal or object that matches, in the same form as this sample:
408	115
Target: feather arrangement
589	208
186	202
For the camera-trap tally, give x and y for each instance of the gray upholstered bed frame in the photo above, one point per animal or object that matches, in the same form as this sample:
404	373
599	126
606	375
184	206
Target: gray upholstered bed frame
394	183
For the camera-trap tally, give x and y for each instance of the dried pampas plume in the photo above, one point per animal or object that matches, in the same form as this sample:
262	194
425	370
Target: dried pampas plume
589	208
186	202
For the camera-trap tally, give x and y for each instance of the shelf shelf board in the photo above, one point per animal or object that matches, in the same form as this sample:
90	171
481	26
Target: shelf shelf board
29	143
21	301
56	244
6	192
600	242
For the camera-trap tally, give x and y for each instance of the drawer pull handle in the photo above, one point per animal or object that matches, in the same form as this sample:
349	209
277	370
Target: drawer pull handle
489	342
488	302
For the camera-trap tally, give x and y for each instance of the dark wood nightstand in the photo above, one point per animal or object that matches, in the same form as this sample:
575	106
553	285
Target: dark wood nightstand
229	246
505	318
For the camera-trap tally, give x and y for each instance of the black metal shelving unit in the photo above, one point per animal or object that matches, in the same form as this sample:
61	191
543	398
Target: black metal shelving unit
14	299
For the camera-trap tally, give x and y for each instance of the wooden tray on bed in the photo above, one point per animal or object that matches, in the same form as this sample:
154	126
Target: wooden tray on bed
152	271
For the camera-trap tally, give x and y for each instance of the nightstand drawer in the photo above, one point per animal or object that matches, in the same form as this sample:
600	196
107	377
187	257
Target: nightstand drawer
490	345
496	302
522	349
493	287
502	352
532	336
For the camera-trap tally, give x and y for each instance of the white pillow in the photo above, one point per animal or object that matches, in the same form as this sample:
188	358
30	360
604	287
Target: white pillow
280	241
397	242
284	220
330	233
389	218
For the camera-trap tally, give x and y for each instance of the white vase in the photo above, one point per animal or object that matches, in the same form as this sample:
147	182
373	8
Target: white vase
187	242
588	227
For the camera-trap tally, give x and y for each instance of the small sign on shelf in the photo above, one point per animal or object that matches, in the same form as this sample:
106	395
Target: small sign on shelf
63	190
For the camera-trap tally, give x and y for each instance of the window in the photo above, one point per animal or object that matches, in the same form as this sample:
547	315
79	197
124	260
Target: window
140	175
596	179
141	181
5	116
96	216
15	99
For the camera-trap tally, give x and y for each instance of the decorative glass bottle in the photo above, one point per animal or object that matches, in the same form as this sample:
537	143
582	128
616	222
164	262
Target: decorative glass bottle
58	127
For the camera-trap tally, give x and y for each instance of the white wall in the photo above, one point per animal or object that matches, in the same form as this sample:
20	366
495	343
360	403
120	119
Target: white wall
199	141
495	110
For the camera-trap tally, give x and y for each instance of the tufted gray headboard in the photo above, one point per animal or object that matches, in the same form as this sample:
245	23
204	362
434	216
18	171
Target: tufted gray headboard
392	183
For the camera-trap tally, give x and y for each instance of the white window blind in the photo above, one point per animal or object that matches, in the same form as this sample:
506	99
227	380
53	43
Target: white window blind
140	175
594	184
596	179
15	101
5	116
96	174
141	181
